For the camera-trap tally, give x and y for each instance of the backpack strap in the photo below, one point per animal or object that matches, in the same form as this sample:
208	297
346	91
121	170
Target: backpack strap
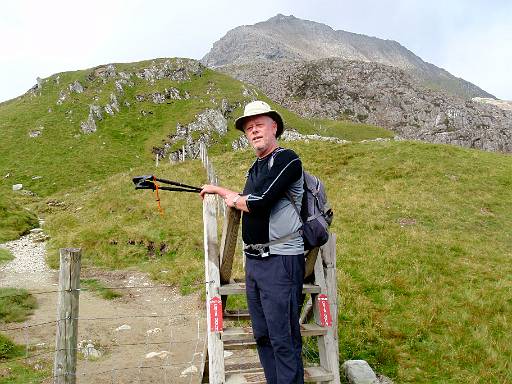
294	206
260	247
284	239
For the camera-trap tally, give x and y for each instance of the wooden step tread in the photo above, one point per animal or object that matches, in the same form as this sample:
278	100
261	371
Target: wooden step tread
311	375
239	288
236	314
245	333
254	366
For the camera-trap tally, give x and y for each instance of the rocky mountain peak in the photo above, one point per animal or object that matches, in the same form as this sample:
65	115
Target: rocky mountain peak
284	38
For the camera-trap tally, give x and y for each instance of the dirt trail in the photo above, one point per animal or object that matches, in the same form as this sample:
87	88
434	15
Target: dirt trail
147	321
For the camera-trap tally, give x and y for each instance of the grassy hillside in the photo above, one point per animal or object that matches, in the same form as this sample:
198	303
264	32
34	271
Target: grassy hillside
424	248
424	231
62	156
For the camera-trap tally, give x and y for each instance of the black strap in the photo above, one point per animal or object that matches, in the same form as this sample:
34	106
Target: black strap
294	206
284	239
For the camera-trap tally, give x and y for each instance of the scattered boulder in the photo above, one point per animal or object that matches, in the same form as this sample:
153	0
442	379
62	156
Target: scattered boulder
124	327
17	187
114	103
189	371
161	355
88	126
293	135
158	98
108	109
240	143
96	112
36	132
172	93
88	350
359	372
76	87
62	97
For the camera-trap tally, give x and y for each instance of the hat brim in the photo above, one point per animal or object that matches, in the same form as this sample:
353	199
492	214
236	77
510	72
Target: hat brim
272	114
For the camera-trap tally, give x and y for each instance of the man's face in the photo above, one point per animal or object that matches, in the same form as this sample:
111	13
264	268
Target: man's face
261	133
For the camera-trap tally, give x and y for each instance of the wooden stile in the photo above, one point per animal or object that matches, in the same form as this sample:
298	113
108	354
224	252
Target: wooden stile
321	279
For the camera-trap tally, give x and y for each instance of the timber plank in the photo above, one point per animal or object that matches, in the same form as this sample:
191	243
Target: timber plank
239	289
311	375
238	314
245	333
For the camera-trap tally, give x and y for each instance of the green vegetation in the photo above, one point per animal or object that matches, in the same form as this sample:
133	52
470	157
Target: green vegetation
14	220
8	349
15	305
5	256
120	227
424	232
424	244
13	370
99	288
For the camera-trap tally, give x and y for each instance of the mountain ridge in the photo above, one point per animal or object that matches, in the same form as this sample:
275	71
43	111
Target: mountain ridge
290	38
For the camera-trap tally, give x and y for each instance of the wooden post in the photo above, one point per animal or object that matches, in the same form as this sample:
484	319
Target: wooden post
310	262
212	261
64	369
328	344
228	243
156	160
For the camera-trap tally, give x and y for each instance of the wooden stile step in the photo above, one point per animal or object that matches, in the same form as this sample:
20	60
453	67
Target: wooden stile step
311	375
239	288
245	334
254	366
237	314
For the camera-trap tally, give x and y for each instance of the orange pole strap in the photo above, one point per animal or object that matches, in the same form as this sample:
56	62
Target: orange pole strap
158	197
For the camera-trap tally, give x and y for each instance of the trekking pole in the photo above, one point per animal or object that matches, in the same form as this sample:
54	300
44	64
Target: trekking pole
150	182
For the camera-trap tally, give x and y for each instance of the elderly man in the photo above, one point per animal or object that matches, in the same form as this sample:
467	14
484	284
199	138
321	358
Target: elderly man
272	243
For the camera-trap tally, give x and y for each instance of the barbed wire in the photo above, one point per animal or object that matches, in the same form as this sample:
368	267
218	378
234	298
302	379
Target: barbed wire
106	287
174	316
115	345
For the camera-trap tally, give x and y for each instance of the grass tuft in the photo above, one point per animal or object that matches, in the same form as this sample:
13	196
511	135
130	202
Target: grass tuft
15	305
100	289
5	256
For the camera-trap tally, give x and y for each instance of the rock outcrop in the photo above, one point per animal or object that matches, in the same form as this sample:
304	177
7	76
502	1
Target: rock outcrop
186	141
381	95
177	70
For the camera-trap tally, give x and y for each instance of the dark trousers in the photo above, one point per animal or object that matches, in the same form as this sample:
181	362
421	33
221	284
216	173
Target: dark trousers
274	291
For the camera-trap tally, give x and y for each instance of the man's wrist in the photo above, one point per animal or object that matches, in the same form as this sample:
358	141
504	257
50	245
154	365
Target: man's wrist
235	200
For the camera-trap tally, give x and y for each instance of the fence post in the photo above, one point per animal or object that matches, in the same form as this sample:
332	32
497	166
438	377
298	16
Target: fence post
64	369
212	260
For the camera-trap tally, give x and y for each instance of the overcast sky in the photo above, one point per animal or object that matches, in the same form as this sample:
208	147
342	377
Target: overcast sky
471	39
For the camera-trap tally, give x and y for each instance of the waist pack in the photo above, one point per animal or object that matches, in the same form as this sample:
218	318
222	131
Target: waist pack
316	214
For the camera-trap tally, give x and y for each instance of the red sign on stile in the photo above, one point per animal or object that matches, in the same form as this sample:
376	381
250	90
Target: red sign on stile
215	314
325	311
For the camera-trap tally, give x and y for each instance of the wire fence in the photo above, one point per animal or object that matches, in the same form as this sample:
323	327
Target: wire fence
165	346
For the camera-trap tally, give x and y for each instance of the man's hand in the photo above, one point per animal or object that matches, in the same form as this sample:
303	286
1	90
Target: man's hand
227	195
209	188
